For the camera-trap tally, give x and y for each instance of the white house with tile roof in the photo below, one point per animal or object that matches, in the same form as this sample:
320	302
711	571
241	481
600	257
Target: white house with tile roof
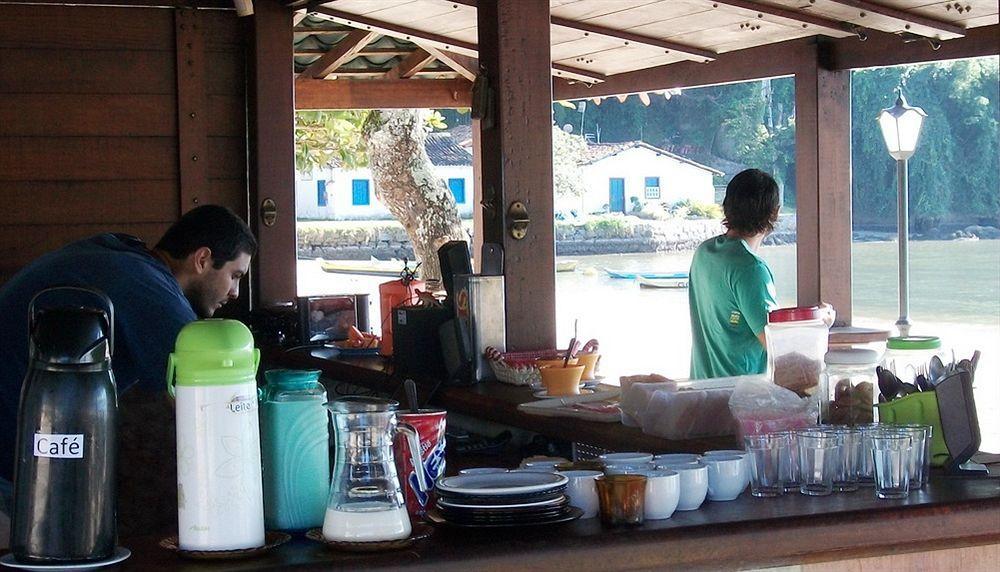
618	175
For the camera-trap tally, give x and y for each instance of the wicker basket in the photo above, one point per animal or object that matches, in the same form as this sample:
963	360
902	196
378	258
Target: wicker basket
518	368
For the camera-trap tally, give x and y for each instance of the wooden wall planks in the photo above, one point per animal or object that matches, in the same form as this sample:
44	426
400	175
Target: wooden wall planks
89	125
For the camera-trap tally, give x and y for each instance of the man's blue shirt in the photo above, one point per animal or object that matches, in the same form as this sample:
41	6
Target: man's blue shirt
150	309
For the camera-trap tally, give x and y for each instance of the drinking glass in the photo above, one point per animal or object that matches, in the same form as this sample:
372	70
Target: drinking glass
925	465
918	439
866	466
845	477
622	498
788	465
765	462
818	458
892	464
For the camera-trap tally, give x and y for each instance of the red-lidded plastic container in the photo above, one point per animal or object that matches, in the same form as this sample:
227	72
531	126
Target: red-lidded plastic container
796	345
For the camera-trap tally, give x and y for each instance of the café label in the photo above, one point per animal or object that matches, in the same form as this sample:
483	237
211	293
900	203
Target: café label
59	446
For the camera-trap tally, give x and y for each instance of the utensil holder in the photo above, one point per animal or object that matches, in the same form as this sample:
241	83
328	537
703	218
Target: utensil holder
920	408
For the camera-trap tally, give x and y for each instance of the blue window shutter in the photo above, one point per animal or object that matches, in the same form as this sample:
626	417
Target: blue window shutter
360	192
457	187
321	193
652	190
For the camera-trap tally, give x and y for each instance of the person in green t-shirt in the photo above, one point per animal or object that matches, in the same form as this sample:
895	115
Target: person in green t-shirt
731	289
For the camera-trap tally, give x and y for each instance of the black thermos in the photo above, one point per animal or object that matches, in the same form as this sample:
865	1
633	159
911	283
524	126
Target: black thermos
67	434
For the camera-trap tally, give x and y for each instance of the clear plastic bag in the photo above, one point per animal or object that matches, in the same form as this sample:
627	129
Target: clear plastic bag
678	409
760	406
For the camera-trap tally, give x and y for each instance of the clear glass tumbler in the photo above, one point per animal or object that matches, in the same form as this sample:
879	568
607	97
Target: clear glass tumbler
818	459
789	463
925	456
918	441
892	464
764	452
866	466
845	477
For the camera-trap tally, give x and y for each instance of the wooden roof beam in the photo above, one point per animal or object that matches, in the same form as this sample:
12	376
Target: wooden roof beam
382	94
437	41
342	52
915	23
692	52
803	17
464	65
410	65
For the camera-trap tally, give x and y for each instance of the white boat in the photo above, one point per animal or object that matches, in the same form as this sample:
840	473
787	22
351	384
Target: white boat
674	283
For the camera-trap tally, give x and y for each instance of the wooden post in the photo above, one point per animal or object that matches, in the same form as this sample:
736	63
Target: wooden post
517	161
272	152
823	185
192	117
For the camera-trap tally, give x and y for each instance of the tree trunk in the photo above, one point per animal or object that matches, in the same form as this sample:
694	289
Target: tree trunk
405	182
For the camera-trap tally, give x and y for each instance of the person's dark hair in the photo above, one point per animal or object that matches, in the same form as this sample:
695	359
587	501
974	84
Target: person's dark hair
752	202
213	226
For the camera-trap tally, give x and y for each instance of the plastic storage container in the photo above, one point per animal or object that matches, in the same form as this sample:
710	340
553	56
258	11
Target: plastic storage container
909	356
295	446
796	346
851	382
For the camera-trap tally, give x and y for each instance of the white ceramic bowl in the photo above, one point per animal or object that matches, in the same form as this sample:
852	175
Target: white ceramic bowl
670	458
628	468
727	476
631	458
694	485
582	491
663	490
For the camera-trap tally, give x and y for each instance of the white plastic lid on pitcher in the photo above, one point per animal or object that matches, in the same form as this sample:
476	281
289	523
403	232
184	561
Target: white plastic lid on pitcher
852	356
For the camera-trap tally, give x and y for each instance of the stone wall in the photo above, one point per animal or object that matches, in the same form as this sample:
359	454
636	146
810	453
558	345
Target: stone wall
606	235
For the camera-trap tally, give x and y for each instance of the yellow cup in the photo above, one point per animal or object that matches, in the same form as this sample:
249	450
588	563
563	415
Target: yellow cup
540	363
559	381
590	362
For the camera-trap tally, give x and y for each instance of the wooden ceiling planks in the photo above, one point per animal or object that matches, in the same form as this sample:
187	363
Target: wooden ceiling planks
587	9
868	18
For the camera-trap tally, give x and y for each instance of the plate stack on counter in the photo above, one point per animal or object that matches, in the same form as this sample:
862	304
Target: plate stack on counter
514	498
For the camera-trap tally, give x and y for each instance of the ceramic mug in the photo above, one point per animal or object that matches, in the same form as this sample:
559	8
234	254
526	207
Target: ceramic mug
727	476
693	482
582	491
663	490
675	458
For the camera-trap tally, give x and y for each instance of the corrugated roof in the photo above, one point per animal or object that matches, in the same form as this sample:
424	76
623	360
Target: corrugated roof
599	151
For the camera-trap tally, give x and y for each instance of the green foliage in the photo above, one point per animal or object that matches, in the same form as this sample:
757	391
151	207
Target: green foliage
567	152
609	226
697	209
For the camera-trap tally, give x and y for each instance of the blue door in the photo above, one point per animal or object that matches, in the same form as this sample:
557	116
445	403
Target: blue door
616	203
457	187
360	192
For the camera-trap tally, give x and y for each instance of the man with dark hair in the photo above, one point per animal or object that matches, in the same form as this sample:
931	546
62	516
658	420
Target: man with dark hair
731	289
192	272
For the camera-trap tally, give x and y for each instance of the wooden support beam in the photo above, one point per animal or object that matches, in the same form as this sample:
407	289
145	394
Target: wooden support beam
467	67
691	52
430	39
382	94
803	17
297	18
915	23
271	161
823	185
410	65
192	116
516	145
342	52
882	49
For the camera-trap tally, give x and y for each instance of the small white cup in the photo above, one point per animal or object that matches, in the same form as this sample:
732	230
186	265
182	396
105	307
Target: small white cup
674	458
727	476
631	458
482	471
628	468
694	484
582	491
663	490
739	453
544	464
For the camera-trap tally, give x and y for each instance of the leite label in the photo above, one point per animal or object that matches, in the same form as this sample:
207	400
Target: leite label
59	446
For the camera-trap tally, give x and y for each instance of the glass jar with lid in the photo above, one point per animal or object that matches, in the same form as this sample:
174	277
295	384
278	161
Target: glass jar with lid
851	380
796	343
910	356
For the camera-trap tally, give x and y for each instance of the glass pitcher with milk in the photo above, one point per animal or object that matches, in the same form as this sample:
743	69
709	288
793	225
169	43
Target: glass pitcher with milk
366	501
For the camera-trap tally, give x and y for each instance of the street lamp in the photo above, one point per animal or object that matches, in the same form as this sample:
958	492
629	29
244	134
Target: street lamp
900	126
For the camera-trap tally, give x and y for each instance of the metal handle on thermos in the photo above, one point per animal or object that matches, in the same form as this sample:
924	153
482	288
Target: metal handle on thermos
413	438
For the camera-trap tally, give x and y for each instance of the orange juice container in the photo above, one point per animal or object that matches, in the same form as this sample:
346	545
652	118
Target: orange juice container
391	295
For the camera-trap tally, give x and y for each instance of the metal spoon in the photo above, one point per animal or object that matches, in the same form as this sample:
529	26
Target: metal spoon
888	383
906	389
923	384
936	370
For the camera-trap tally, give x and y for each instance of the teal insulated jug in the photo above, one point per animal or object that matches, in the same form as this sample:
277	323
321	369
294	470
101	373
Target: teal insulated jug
295	445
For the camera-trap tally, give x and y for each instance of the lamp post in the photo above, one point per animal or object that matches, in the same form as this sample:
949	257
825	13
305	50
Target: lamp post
900	126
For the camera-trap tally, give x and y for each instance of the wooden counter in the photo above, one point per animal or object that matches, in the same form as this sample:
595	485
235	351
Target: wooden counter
745	533
491	401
